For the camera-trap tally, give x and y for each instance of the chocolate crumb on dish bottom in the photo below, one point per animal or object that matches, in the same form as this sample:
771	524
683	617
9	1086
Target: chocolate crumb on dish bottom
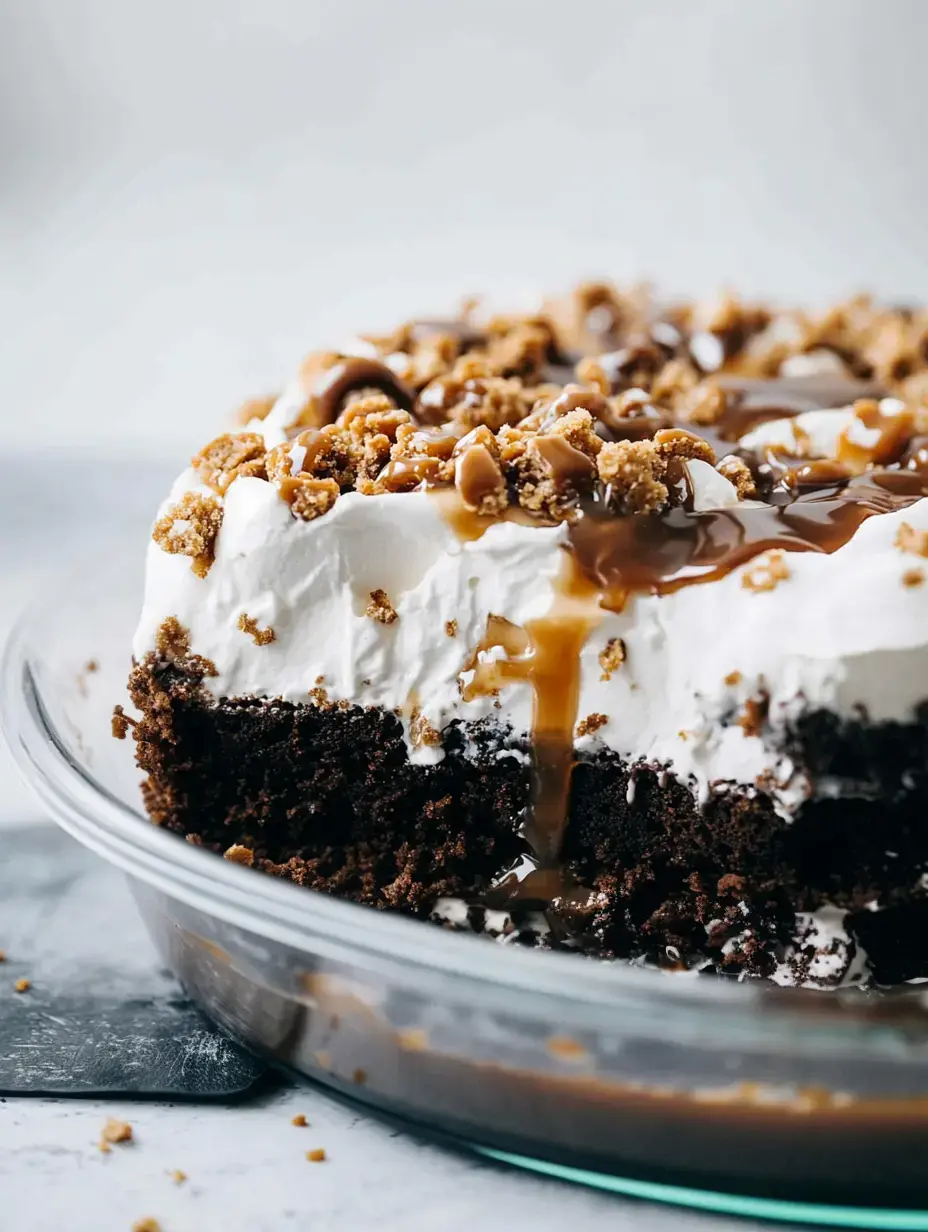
593	629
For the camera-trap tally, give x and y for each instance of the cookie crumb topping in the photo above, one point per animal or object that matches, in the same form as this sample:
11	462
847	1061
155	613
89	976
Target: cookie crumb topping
592	723
260	637
380	608
908	539
451	628
189	528
611	657
238	854
766	573
913	577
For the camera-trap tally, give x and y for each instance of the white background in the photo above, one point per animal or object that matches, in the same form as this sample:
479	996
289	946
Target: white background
194	192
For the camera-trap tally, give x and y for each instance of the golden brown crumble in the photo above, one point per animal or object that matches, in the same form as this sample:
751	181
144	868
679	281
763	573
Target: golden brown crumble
380	608
451	628
633	470
422	732
22	985
738	473
189	528
732	679
260	637
238	854
611	657
178	1176
172	644
913	577
116	1131
220	462
310	498
592	723
908	539
766	572
754	715
316	1155
146	1225
299	1120
120	723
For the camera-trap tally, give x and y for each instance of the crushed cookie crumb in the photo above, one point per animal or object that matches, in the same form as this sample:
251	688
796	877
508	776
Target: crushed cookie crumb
592	723
611	657
238	854
299	1120
172	644
178	1176
908	539
22	985
260	637
632	470
190	528
316	1155
451	628
739	475
421	731
913	577
120	723
754	715
146	1225
116	1131
220	462
91	666
767	571
732	679
380	608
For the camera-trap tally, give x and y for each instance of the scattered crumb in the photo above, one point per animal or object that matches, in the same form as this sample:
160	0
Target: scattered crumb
913	577
732	679
683	735
592	723
22	985
260	637
738	473
321	680
239	854
908	539
611	657
316	1155
766	572
451	628
299	1120
754	715
91	666
116	1131
178	1177
146	1225
359	1076
121	723
380	608
422	732
2	956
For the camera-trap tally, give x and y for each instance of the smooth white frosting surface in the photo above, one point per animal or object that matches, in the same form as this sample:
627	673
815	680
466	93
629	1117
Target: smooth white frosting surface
842	631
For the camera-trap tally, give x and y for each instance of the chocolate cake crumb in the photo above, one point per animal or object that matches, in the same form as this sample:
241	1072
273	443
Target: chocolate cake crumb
766	572
120	723
299	1120
913	577
260	637
592	723
908	539
451	628
611	657
189	528
380	608
238	854
22	985
316	1155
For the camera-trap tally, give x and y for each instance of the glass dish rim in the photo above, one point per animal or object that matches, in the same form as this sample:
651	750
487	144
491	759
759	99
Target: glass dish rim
587	990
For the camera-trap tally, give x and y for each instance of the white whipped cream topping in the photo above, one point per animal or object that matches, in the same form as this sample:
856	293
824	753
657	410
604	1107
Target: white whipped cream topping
841	631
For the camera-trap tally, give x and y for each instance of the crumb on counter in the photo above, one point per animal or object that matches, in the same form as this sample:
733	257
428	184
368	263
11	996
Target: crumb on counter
316	1155
22	985
299	1120
913	577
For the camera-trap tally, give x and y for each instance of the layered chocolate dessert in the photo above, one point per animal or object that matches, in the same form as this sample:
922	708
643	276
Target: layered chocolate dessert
603	628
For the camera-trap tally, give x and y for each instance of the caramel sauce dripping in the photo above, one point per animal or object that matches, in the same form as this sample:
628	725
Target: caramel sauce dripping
347	375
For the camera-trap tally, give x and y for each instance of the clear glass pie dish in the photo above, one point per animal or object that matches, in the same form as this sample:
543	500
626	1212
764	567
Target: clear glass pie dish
655	1083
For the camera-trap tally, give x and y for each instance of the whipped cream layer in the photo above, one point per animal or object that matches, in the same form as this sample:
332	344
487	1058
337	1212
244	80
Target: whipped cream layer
842	631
